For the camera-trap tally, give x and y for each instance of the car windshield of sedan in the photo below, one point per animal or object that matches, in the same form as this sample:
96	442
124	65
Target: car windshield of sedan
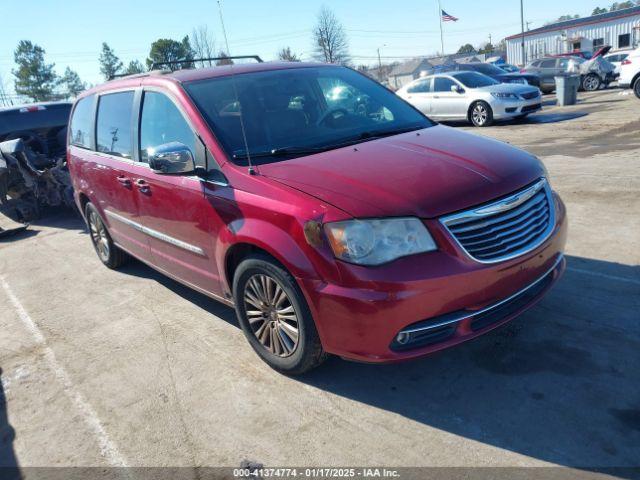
475	79
292	112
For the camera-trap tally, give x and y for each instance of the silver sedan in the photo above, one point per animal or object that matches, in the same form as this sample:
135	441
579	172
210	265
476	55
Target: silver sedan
471	96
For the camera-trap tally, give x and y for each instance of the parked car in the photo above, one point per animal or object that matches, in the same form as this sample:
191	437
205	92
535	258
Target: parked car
630	72
547	68
507	67
471	96
377	238
586	55
616	59
497	73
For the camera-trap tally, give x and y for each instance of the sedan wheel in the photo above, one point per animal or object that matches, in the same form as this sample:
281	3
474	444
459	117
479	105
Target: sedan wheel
271	315
481	114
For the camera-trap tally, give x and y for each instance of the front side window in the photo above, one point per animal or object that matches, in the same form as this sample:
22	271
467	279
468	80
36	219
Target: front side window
161	122
551	63
624	40
113	126
443	84
299	109
81	124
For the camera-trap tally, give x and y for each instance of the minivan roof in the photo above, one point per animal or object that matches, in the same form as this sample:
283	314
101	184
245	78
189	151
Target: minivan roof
194	74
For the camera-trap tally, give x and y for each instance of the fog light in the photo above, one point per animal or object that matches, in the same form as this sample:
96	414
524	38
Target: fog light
403	338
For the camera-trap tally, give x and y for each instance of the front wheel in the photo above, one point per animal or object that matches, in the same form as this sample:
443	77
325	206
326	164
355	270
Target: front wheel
481	114
591	82
636	88
274	316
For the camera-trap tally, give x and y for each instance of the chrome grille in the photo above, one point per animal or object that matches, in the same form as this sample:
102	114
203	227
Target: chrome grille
506	228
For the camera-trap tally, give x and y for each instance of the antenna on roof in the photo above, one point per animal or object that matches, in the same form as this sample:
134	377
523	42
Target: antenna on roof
235	91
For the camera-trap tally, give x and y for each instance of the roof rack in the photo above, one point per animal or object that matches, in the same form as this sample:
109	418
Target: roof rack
155	65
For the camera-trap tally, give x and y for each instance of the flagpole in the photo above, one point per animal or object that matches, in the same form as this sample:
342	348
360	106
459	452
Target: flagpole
441	34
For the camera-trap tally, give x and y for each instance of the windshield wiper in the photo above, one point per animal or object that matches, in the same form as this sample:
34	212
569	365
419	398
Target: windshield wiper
387	133
277	152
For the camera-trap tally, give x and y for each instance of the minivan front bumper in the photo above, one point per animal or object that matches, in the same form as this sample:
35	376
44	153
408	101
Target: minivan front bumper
440	295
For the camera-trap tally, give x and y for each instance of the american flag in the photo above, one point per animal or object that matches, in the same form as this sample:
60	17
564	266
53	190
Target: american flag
448	18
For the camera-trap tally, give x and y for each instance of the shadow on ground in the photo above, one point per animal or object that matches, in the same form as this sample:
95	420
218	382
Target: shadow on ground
560	384
8	462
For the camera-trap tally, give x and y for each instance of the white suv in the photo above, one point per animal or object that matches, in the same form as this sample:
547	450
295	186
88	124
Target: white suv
630	72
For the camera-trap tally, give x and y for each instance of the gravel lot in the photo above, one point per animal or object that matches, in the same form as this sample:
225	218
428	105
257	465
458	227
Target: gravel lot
104	368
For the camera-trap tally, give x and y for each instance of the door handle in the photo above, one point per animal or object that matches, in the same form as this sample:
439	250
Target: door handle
142	185
436	96
124	180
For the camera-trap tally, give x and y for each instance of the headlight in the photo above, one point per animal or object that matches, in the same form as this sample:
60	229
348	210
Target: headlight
505	96
373	242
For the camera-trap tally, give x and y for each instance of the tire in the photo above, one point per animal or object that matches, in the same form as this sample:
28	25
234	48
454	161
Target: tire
591	83
107	251
286	337
636	88
480	114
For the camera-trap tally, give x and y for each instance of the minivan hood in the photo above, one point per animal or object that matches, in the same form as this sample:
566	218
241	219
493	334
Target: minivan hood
426	173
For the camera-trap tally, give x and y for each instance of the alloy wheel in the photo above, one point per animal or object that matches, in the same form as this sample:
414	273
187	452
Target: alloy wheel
99	236
271	315
591	83
479	114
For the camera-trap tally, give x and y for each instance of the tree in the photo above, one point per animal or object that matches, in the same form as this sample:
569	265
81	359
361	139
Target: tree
619	6
598	11
330	39
285	54
72	84
167	50
134	67
34	78
467	48
204	44
487	48
110	64
225	59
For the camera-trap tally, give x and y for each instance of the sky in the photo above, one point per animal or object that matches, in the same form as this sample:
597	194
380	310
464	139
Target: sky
72	31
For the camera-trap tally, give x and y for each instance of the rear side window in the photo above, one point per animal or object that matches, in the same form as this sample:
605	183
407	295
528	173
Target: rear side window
114	124
81	125
161	123
420	87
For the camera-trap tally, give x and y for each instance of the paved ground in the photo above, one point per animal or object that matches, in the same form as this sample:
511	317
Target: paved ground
106	368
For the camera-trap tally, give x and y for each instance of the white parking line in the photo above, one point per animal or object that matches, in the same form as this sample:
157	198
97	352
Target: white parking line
107	448
604	275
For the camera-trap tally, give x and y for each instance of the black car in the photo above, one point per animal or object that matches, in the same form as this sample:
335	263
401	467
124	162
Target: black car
499	74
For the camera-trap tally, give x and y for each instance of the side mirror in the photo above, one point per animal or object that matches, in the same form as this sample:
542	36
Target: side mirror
457	89
171	158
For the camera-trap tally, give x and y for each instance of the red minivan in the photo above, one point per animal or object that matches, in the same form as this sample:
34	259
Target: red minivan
334	217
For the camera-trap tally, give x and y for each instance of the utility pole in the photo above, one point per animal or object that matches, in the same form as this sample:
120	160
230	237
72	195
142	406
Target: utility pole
524	55
380	62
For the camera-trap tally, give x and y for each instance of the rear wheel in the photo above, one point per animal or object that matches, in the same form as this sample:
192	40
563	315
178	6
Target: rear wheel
591	82
274	316
481	114
636	88
108	252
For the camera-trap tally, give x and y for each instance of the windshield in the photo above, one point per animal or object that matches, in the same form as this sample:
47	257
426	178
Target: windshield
297	111
486	68
474	79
